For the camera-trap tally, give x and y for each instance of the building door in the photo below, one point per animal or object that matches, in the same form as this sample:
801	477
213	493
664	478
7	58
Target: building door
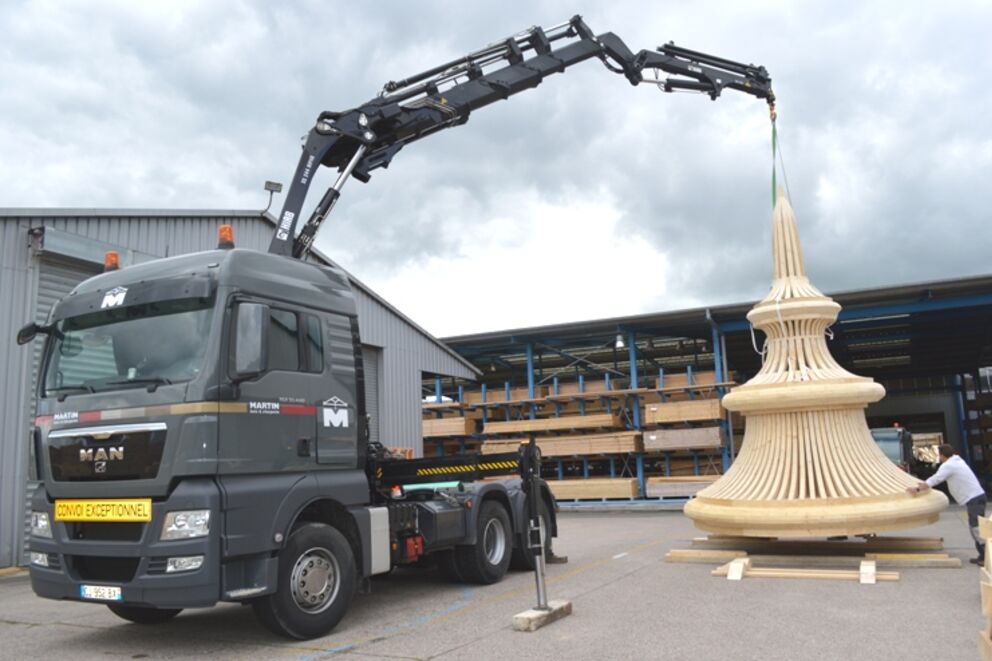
372	359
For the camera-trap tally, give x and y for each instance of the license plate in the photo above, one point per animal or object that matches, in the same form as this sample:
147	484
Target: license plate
101	592
129	509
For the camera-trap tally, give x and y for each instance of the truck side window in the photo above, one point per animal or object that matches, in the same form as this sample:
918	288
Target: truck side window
284	343
314	344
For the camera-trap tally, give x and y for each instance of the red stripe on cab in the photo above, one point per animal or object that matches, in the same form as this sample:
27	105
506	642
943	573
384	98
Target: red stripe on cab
297	409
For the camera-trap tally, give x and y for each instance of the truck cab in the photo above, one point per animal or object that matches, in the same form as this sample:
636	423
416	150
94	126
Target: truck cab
201	436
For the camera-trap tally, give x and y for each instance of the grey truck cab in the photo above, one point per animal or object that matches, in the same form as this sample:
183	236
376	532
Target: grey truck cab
201	437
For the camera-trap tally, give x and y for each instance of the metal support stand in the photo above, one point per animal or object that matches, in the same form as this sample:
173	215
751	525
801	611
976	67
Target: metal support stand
546	611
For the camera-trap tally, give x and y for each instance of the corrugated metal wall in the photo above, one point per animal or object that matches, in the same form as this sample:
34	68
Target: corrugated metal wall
407	351
17	293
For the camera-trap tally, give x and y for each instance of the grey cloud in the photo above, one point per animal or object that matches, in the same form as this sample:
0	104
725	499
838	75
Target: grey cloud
157	105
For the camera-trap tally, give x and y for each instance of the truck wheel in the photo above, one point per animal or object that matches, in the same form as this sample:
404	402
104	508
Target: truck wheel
316	584
487	560
523	558
144	615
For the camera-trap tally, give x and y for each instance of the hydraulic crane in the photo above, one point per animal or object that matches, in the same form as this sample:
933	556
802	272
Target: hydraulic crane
362	139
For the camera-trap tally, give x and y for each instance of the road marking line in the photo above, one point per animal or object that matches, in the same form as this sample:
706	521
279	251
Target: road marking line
620	555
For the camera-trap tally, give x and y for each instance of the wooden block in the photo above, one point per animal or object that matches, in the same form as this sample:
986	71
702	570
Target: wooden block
985	527
439	427
594	488
737	567
688	411
680	439
868	572
986	599
984	646
677	487
598	421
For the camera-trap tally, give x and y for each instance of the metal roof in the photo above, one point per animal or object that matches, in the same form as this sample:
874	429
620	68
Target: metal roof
926	328
13	212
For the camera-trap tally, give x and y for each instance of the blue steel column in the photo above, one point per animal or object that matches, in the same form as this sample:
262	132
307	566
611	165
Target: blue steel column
639	456
438	397
963	419
728	436
530	379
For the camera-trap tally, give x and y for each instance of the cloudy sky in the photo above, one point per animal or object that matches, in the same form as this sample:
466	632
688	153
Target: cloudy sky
583	198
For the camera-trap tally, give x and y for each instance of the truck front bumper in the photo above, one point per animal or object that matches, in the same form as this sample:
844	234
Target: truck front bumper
131	556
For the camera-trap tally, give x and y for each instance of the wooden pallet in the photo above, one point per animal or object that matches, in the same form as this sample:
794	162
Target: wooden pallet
867	572
742	557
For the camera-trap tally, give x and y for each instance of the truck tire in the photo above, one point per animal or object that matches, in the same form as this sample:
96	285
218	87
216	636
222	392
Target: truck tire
523	558
143	614
486	561
316	583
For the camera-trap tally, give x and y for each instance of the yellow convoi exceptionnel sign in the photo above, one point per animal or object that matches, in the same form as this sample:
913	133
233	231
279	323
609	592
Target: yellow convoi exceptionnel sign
130	509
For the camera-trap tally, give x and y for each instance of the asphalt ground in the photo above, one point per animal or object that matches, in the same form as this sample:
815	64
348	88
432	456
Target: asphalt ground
628	604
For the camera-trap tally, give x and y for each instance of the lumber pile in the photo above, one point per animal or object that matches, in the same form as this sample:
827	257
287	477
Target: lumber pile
677	487
441	427
682	439
571	446
567	423
594	488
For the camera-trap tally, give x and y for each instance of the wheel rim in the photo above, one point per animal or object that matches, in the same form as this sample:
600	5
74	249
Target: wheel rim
494	541
316	579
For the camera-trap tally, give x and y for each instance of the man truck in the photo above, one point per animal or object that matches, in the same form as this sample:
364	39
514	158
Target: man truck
201	430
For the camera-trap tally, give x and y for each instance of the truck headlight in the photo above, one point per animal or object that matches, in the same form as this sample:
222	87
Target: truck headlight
39	559
186	524
40	526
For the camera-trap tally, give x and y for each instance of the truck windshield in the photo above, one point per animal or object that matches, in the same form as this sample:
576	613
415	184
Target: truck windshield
140	345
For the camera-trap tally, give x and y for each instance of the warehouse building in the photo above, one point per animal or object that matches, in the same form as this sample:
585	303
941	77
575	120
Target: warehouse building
595	391
44	253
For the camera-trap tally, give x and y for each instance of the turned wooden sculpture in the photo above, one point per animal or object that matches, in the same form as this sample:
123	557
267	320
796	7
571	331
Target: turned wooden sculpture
808	466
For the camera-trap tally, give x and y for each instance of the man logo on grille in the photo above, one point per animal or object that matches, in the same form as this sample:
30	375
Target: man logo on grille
335	412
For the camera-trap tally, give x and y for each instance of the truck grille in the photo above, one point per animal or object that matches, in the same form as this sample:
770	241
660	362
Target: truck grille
121	452
106	532
100	568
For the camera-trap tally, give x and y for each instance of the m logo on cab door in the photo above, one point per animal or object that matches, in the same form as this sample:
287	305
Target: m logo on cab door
335	412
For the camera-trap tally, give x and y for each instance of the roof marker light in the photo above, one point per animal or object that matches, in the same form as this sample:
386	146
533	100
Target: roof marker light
111	261
225	237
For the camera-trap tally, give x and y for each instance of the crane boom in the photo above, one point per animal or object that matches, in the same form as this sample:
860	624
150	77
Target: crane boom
362	139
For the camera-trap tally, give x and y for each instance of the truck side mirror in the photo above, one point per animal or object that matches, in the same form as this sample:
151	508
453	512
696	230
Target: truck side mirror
27	333
30	331
251	340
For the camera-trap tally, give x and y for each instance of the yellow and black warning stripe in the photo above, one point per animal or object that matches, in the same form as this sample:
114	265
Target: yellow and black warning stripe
468	468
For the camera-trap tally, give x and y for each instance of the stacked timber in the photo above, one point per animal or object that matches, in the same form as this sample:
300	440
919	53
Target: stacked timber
667	431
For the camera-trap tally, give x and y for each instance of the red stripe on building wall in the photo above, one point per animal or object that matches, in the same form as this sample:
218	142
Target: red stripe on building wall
297	409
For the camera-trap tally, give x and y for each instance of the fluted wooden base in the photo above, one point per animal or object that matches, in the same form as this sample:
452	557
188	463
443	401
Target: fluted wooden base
811	474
